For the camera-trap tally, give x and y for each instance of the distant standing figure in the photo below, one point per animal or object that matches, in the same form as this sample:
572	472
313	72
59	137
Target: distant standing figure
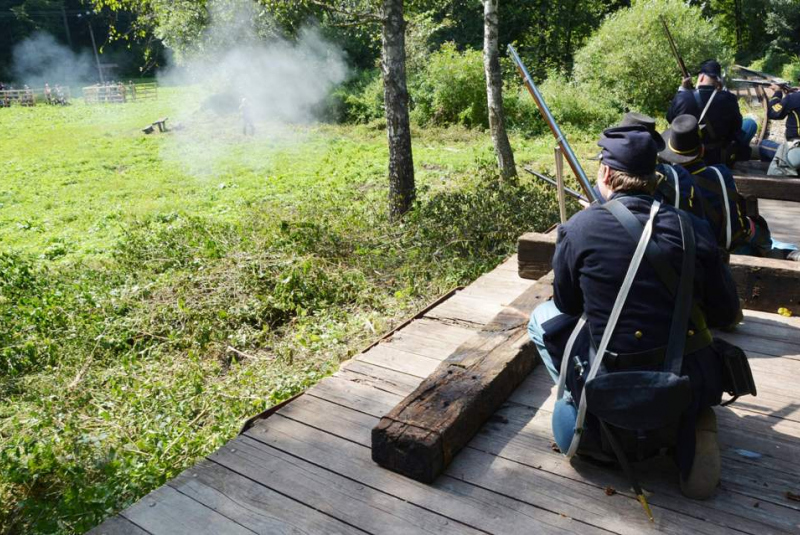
27	97
247	118
48	94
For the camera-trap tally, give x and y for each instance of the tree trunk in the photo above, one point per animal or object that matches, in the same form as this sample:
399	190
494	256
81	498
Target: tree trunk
395	95
494	91
737	14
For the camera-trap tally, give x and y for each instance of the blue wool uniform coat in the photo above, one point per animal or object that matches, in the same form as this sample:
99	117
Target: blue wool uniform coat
723	116
593	252
786	107
689	199
707	183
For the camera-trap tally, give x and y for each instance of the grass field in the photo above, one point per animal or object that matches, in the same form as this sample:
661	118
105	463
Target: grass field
157	290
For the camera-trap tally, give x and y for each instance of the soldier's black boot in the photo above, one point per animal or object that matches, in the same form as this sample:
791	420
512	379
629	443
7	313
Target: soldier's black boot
704	475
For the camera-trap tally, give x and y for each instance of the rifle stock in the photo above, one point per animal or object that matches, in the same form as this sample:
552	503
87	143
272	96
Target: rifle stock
572	160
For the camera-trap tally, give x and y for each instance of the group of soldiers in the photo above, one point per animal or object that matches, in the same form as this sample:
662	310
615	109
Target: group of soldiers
707	137
26	96
55	95
641	277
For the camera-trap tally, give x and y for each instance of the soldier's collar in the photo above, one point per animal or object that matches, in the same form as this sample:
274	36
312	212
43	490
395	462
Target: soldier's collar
694	166
640	194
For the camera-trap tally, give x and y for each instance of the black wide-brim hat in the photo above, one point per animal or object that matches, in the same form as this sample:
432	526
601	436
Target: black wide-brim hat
682	140
632	118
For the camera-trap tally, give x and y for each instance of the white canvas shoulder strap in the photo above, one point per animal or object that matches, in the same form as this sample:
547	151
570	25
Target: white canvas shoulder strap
622	296
674	174
726	208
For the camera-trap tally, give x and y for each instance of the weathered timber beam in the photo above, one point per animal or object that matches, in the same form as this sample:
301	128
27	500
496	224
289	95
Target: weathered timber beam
768	187
422	434
764	283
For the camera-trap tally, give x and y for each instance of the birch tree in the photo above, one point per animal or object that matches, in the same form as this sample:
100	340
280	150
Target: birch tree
395	95
494	90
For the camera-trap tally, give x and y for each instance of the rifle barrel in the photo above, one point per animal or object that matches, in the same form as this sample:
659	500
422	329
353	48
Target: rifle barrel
752	82
766	83
568	191
674	48
572	160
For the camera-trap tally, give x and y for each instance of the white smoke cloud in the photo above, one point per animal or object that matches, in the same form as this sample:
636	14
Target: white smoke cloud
284	82
40	58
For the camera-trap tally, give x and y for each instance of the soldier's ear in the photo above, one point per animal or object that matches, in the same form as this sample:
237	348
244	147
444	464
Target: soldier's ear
606	175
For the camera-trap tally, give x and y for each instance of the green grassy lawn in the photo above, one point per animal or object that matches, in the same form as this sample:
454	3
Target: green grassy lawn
157	290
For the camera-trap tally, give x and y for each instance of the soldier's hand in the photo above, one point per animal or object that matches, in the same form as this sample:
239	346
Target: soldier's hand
686	83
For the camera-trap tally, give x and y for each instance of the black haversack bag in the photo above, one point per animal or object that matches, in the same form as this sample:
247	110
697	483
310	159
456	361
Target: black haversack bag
639	400
737	378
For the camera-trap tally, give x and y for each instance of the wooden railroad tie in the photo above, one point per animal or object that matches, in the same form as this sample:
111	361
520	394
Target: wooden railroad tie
752	181
764	284
422	434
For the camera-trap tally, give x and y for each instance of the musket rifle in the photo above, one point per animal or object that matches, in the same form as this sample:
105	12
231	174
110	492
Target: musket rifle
571	192
674	48
783	84
572	160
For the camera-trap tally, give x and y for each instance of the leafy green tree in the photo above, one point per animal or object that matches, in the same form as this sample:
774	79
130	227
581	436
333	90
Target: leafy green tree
629	58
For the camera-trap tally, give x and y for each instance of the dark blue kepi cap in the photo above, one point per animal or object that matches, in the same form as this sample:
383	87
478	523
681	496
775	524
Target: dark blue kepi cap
630	149
711	67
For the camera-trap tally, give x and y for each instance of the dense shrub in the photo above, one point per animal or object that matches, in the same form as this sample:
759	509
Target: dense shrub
451	89
791	71
571	105
360	100
630	56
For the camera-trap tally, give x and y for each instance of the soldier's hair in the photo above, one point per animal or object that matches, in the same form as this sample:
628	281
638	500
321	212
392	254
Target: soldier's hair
622	181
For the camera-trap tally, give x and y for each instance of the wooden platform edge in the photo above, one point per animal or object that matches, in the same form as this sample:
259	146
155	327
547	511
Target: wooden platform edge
768	187
764	284
247	424
422	434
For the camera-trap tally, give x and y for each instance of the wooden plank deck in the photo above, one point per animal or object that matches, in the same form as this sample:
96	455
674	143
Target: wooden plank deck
308	469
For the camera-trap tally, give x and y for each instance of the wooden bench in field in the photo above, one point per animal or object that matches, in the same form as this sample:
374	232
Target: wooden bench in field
161	124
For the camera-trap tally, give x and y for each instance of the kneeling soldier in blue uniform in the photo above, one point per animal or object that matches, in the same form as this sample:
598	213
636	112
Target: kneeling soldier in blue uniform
726	135
786	161
637	283
674	185
725	209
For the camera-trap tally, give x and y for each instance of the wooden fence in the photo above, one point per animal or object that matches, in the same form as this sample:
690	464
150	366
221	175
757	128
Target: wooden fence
120	93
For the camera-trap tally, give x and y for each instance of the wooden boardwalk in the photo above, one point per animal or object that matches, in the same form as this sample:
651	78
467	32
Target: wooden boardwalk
307	468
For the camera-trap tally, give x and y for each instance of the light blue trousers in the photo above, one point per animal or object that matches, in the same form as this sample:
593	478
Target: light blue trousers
540	315
749	129
564	411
